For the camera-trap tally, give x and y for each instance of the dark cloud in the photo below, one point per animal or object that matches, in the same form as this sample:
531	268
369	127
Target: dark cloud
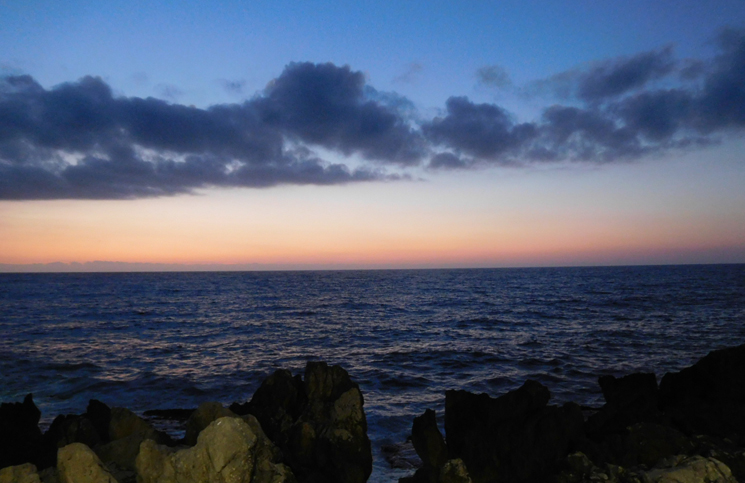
325	105
618	76
79	140
479	130
493	76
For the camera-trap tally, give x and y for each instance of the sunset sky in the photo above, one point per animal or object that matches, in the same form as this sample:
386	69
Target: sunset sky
305	135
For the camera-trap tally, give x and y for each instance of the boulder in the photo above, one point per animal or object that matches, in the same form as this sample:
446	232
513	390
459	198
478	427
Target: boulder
428	441
204	415
25	473
77	463
20	436
277	404
454	471
694	469
124	423
226	452
318	423
515	437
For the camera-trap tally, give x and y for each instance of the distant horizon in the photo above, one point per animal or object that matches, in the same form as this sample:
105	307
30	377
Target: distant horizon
147	267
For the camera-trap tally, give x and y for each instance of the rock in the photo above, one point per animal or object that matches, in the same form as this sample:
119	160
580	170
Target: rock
708	397
629	400
318	423
124	423
515	437
67	429
77	463
25	473
277	404
225	452
122	452
428	441
20	436
99	415
648	443
205	414
695	469
454	471
401	456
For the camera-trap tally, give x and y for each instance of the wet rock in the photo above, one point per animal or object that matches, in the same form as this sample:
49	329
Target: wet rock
515	437
77	463
25	473
428	441
225	452
318	423
204	415
20	436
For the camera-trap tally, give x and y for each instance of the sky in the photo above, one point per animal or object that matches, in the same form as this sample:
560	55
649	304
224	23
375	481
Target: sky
342	135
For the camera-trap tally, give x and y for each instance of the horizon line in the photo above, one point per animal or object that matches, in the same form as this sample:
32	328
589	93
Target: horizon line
101	266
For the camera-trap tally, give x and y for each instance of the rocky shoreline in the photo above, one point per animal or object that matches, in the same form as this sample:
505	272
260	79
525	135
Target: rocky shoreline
688	428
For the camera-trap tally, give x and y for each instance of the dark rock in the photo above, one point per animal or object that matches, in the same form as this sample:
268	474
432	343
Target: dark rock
100	415
515	437
428	441
401	455
202	417
708	397
318	423
20	436
71	428
277	404
629	400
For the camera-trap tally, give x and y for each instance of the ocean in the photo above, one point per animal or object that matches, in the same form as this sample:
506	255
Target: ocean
174	340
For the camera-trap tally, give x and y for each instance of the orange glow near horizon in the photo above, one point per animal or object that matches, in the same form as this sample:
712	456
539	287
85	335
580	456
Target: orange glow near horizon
504	218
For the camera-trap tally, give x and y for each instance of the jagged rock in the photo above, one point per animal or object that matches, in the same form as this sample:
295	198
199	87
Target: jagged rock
428	441
70	428
225	452
99	415
318	423
454	471
401	455
515	437
124	423
77	463
202	417
25	473
20	436
708	397
630	399
277	404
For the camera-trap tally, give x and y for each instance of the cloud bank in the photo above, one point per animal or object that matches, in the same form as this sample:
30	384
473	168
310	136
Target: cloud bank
79	140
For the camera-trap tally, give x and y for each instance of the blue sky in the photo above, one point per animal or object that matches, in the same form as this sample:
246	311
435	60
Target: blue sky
435	66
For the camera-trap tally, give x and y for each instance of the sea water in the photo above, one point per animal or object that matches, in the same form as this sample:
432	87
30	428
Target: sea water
175	340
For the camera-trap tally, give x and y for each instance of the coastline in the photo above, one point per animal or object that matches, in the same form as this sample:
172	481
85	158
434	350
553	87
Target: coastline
691	422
